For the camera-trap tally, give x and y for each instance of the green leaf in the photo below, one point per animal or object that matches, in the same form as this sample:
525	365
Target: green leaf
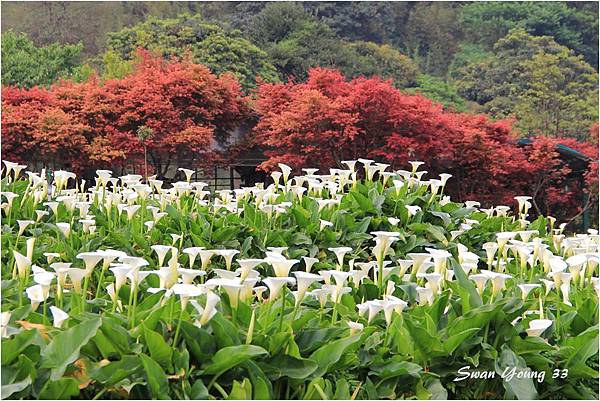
437	390
261	384
61	389
329	354
466	284
475	318
241	391
301	215
116	371
520	387
288	366
228	357
13	347
364	203
394	368
585	344
64	348
157	380
160	351
9	389
437	233
457	339
444	216
199	391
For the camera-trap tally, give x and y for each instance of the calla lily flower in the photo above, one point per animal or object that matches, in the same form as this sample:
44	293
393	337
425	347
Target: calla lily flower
258	291
391	304
23	224
372	307
276	284
187	291
538	326
355	327
309	262
4	320
418	259
188	173
59	316
425	295
76	276
281	265
480	281
339	253
192	253
305	280
65	228
247	265
36	295
324	223
188	275
120	272
110	290
498	282
91	259
23	264
208	311
161	252
286	170
205	257
526	289
490	251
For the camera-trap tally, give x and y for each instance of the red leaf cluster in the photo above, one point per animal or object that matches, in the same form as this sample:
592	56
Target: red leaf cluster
95	124
328	119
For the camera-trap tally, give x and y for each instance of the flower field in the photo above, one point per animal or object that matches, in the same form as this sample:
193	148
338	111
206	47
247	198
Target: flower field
354	283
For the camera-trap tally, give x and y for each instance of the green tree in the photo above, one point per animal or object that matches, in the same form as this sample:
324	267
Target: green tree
571	25
209	44
441	91
26	65
431	36
313	44
549	89
368	59
297	41
83	21
372	21
467	53
276	21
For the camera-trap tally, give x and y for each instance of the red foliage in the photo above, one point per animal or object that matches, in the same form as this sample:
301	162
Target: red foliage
185	105
329	119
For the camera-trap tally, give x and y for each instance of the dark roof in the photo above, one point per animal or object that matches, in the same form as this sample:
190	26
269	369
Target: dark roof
576	159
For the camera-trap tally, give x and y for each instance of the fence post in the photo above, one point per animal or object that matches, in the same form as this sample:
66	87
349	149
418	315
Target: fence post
216	174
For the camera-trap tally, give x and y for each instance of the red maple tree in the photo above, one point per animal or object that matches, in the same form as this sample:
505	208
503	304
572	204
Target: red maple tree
328	119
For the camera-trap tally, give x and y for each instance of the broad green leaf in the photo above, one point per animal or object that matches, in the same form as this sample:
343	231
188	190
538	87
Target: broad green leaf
241	391
261	384
160	351
457	339
9	389
288	366
394	368
229	357
364	203
157	380
199	391
329	354
466	284
64	348
585	345
61	389
520	387
13	347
